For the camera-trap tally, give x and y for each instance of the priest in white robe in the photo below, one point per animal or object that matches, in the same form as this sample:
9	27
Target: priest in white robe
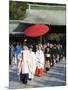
23	65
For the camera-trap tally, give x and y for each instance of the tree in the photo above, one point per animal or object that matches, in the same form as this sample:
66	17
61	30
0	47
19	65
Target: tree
55	36
17	10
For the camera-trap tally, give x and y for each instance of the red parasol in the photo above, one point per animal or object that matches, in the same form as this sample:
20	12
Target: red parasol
36	30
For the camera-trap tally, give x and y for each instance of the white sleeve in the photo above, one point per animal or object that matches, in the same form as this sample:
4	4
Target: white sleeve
36	56
42	58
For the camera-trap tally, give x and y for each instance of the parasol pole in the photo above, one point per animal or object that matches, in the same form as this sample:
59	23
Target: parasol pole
40	39
44	39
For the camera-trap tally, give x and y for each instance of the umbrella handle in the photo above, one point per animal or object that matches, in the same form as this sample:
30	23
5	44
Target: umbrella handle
40	39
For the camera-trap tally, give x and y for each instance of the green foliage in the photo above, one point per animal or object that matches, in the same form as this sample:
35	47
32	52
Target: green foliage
55	36
17	10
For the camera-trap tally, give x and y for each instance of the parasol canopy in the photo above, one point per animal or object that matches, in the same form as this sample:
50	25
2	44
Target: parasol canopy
36	30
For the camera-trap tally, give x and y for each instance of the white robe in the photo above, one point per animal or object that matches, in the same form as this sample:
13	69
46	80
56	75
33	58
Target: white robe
24	65
32	65
40	59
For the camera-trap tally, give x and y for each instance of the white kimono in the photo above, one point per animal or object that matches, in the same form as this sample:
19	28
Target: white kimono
24	64
32	65
40	59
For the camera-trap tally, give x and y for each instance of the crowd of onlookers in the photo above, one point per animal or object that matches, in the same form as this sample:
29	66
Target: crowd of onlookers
38	59
56	51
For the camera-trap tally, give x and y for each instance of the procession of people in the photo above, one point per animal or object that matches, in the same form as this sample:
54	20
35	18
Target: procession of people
31	63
